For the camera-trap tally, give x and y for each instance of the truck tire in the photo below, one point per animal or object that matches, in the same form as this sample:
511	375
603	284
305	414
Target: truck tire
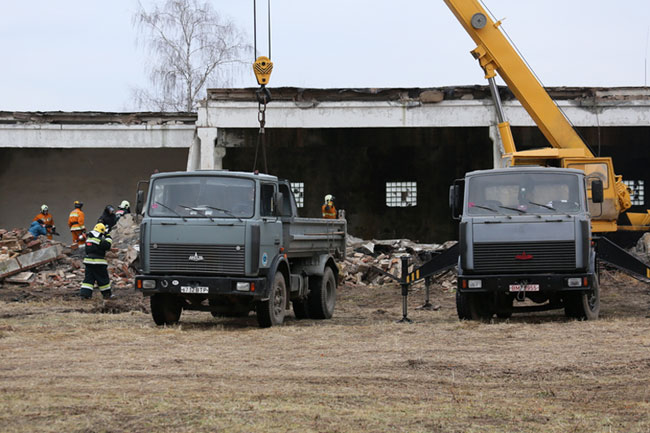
300	309
473	306
165	309
583	306
322	295
271	312
462	306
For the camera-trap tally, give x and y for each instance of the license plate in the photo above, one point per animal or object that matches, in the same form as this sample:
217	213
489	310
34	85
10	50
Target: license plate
524	287
197	289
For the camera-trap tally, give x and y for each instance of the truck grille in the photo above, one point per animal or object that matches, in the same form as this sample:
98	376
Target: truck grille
186	259
524	257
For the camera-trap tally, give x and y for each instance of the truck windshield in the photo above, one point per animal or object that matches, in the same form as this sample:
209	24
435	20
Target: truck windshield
522	193
202	197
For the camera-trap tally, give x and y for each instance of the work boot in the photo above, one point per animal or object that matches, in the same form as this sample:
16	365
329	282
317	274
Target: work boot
85	293
108	294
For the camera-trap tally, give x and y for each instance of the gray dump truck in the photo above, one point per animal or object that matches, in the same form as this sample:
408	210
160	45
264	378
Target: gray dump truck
231	242
525	233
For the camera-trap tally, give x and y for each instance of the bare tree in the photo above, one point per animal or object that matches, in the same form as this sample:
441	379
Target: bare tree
192	47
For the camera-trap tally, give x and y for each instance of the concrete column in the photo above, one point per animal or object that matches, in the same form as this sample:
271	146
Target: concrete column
208	137
497	147
219	154
194	154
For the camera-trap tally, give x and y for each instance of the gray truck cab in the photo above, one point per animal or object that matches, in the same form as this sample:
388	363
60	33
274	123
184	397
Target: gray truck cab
525	233
229	242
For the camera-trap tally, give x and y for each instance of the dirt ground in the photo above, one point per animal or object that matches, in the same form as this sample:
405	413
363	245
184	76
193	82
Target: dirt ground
95	366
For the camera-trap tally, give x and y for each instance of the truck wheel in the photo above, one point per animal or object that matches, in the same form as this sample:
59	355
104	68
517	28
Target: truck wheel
271	312
300	308
584	306
473	306
462	307
165	309
322	295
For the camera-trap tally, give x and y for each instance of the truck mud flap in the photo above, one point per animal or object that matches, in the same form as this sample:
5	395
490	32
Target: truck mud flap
610	253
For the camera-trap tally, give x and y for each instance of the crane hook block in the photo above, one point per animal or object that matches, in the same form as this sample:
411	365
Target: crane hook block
262	68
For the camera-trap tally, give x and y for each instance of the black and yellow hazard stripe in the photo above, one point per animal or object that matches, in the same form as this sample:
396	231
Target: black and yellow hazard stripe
415	275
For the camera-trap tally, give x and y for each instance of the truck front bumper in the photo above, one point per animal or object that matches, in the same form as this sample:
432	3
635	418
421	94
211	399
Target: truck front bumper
253	288
525	282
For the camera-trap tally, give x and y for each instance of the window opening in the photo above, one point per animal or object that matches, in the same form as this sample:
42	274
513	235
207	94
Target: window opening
638	191
298	189
401	194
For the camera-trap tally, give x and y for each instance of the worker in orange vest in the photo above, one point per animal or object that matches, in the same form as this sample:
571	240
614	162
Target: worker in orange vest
76	223
328	209
47	219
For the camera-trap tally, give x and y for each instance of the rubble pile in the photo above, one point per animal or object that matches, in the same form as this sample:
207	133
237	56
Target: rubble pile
45	268
19	252
123	257
15	242
365	259
642	249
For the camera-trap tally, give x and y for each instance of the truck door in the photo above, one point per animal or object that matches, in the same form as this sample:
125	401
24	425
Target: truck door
271	227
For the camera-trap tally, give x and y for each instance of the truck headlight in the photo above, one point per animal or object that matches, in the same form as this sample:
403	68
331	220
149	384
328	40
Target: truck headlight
243	287
574	282
148	284
474	284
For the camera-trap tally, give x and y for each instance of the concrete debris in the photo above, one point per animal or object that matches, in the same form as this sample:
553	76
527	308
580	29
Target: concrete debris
643	247
58	268
431	96
365	258
19	252
22	278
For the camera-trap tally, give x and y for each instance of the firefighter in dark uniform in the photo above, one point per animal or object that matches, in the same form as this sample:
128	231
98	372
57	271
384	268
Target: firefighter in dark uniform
97	243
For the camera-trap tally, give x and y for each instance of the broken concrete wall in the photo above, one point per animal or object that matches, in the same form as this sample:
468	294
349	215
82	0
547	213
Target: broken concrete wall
31	177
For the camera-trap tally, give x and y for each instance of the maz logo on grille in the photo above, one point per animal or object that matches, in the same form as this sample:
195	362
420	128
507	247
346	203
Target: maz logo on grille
524	256
195	258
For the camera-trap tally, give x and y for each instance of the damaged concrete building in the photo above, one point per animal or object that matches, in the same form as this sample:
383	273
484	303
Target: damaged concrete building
59	157
387	155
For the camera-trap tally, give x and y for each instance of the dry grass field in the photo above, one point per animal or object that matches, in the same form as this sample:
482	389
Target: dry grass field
69	366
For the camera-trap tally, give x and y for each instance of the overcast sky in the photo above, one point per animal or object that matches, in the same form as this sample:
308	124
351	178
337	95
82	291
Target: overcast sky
82	54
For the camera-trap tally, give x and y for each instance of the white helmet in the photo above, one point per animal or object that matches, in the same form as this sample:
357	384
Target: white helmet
125	204
329	197
44	208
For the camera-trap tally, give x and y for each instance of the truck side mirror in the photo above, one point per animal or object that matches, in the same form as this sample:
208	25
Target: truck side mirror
597	194
278	199
140	191
456	198
139	202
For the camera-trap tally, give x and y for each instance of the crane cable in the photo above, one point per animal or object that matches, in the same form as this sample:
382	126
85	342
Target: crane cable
262	68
